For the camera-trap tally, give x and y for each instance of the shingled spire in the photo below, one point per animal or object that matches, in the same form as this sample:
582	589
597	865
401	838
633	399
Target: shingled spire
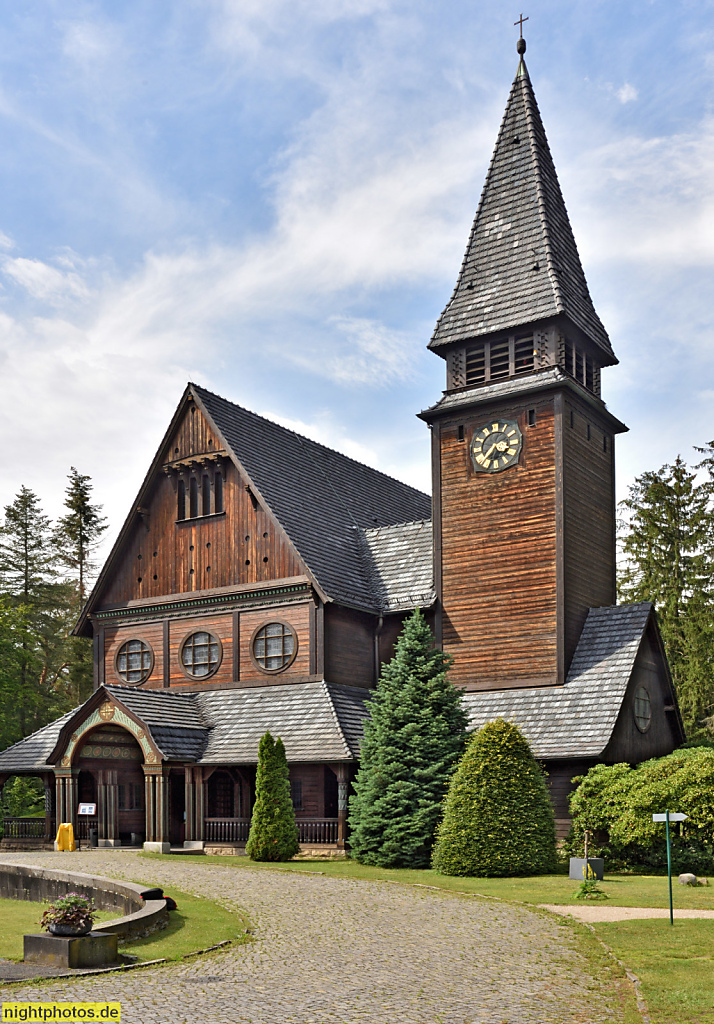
521	264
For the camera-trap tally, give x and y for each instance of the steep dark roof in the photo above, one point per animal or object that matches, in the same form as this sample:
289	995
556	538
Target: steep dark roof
521	263
321	498
575	720
402	569
173	719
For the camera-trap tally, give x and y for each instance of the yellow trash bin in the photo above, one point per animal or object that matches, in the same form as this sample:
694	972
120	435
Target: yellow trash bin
65	837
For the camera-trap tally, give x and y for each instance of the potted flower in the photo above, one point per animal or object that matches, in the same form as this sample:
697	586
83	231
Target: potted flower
69	915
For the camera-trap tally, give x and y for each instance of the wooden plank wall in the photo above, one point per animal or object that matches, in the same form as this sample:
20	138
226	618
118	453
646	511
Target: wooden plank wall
312	777
499	555
163	556
221	625
589	519
349	646
560	786
627	742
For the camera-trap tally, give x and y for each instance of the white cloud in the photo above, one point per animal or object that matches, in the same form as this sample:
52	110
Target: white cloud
627	93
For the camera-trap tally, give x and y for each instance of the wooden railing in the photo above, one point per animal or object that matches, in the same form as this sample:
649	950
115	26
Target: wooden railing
317	830
85	824
235	830
227	830
26	828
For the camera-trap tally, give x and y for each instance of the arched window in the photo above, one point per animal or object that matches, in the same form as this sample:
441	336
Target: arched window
205	495
643	709
181	500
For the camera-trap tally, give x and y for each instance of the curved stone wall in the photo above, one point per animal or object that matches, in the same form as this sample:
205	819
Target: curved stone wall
142	908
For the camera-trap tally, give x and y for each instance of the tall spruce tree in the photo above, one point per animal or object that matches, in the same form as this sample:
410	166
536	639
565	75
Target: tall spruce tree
273	833
668	546
79	532
30	582
77	536
413	739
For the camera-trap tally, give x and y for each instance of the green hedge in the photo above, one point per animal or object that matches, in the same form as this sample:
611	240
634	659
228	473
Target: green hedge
616	803
498	819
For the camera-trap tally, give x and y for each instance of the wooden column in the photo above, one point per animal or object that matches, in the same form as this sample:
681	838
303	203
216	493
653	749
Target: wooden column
112	803
59	798
157	809
194	807
342	771
162	808
150	806
47	779
73	798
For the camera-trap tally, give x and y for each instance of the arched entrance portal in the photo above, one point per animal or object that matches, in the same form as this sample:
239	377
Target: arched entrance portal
111	759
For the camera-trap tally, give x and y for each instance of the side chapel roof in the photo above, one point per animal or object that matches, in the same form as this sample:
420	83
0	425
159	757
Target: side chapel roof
521	263
578	719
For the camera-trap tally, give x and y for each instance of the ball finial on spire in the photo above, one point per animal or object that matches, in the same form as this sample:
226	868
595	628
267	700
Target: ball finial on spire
521	46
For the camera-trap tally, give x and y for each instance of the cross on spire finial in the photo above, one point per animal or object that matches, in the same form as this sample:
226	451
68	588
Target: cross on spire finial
520	22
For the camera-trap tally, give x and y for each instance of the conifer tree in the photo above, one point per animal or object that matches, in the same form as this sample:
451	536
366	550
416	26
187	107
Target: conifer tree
78	533
273	834
413	738
77	537
498	819
668	545
29	581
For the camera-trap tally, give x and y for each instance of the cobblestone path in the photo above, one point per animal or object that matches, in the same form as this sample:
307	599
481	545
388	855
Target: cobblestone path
334	951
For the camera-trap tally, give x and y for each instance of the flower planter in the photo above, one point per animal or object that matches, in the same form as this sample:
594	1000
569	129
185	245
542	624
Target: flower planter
70	930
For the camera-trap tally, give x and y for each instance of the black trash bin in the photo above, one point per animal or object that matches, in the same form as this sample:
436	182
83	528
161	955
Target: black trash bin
94	837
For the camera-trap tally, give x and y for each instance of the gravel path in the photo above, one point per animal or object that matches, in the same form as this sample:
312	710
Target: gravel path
592	913
335	951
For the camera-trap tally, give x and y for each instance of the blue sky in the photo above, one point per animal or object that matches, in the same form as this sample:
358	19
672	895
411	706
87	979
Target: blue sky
272	198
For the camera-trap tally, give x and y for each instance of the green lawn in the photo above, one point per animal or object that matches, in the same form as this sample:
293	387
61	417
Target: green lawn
22	917
674	965
197	924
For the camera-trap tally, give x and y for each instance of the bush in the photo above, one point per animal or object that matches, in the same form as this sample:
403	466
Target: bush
412	741
498	819
616	803
273	832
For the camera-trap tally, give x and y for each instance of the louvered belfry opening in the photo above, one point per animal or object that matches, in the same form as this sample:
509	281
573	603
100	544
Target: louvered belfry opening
488	361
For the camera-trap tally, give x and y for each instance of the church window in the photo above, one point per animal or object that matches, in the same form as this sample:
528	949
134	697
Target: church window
496	360
531	417
643	709
205	495
461	431
580	365
220	795
193	497
523	354
588	431
181	500
274	646
604	442
201	655
296	793
130	796
134	661
218	492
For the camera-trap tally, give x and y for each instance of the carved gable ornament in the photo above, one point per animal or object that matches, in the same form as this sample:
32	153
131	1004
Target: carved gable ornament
108	712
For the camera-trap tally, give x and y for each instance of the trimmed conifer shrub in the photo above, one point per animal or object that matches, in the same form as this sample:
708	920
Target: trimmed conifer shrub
413	739
498	819
273	832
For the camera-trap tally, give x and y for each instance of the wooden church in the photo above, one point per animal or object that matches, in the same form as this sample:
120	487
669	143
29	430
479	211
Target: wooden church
261	579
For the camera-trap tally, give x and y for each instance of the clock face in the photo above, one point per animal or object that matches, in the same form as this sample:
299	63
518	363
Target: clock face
496	446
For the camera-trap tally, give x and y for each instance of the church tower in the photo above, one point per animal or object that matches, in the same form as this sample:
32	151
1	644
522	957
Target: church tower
522	443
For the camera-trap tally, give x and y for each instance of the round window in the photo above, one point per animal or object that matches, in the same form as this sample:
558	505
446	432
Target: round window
134	661
643	709
274	646
201	655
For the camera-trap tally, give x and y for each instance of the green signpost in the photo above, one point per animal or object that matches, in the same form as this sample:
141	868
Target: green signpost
666	818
